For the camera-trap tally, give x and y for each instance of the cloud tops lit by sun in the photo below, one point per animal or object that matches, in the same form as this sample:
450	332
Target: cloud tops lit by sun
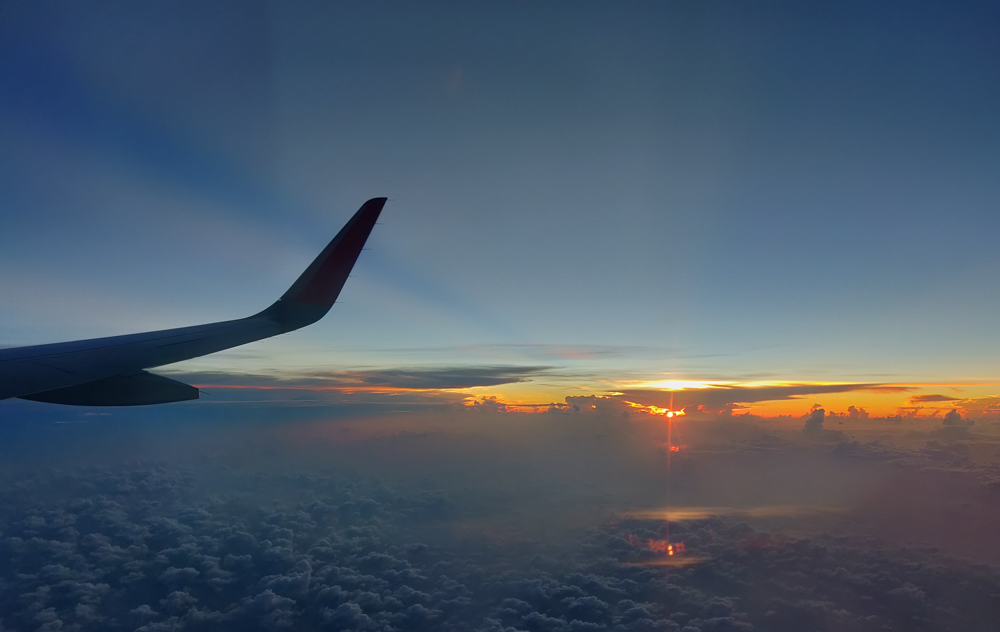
549	389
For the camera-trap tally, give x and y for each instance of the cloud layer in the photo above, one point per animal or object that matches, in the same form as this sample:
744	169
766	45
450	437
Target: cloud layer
481	521
439	378
151	547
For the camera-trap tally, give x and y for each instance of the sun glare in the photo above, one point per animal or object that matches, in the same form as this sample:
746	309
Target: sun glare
656	410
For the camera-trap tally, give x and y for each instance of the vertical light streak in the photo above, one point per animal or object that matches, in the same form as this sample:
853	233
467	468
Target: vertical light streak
670	452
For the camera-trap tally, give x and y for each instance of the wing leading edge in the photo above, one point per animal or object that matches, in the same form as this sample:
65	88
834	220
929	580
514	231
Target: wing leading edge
111	371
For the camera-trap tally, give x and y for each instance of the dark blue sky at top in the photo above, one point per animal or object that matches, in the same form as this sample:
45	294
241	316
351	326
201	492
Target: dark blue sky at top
781	188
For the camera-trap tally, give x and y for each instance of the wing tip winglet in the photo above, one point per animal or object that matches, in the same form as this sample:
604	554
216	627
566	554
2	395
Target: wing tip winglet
316	290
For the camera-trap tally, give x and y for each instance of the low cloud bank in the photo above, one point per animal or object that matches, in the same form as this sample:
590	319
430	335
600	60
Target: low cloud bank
155	547
494	521
719	398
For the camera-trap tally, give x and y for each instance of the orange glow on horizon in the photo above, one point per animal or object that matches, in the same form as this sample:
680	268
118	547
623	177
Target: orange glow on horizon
971	398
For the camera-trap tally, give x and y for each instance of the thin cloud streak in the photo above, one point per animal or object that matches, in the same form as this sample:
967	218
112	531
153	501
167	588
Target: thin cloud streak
441	378
561	351
677	514
721	396
917	399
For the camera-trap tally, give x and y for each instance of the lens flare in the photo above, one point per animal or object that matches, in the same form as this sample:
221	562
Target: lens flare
670	553
656	410
673	561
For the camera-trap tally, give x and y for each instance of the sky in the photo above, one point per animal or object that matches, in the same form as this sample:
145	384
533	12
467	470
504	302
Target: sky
727	192
679	318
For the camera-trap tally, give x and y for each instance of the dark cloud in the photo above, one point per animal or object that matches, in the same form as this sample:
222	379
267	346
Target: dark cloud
444	378
441	378
814	422
854	412
599	404
719	397
954	418
488	403
813	428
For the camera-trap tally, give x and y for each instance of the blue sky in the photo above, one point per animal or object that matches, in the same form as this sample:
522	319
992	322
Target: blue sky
717	276
729	190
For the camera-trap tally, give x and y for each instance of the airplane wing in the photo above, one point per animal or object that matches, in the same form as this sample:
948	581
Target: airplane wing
111	371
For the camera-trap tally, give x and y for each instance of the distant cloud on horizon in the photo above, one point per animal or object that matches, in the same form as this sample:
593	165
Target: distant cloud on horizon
435	378
541	388
719	397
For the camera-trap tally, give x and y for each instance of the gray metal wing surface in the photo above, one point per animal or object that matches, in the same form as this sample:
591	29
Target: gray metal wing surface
112	371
